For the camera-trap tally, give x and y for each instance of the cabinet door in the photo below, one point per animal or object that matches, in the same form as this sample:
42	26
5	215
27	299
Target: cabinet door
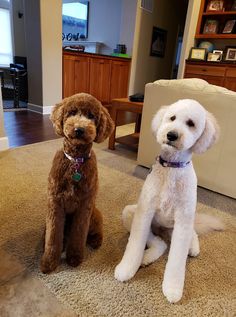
68	76
100	76
81	74
230	78
119	79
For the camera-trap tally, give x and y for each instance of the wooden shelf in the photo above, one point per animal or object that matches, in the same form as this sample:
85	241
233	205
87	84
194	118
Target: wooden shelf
221	16
130	140
219	13
215	36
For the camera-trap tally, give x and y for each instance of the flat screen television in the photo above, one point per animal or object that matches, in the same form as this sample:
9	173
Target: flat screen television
75	19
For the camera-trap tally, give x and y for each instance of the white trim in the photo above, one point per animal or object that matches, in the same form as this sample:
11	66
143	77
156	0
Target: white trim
39	109
4	144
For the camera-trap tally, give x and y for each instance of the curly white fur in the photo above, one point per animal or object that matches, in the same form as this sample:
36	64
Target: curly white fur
169	196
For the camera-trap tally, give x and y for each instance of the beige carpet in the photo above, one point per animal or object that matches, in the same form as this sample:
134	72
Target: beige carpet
91	290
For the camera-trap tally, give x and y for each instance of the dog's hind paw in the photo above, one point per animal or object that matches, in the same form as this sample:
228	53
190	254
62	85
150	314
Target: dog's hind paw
153	253
74	260
94	241
123	272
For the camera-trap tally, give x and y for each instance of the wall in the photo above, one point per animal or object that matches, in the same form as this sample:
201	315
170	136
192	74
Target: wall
146	68
43	28
3	138
127	24
189	33
18	28
111	23
33	51
104	23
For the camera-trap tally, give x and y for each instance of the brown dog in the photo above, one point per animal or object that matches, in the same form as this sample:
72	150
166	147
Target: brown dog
73	181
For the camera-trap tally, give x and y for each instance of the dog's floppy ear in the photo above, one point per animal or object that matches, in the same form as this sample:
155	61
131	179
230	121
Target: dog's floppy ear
105	126
57	118
156	121
209	136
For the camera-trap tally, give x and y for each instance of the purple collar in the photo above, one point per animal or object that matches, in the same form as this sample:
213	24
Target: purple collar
165	163
76	165
79	159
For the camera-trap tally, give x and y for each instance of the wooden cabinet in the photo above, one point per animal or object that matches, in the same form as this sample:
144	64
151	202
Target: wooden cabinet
221	75
81	81
119	79
68	73
100	77
230	79
104	77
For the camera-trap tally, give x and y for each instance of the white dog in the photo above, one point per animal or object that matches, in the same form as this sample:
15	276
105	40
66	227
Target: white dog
169	196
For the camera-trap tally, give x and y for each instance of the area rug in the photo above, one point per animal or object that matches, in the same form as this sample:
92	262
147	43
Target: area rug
91	290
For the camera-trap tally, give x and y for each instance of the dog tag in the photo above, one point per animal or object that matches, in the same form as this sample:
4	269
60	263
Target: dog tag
77	177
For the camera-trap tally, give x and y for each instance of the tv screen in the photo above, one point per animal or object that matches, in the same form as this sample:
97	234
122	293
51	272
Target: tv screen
75	19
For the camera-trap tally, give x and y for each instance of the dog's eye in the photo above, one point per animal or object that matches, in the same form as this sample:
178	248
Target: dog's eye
72	113
173	118
91	116
190	123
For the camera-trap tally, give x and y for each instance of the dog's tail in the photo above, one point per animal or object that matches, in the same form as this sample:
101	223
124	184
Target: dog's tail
205	223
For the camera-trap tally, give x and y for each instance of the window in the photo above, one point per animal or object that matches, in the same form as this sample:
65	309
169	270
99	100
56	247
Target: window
6	54
75	19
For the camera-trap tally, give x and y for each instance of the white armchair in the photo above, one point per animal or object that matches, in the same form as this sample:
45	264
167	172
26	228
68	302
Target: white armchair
216	169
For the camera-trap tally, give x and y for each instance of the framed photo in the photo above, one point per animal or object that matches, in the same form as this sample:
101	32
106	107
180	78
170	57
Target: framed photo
210	27
215	5
231	54
214	57
220	53
233	8
229	26
158	44
198	54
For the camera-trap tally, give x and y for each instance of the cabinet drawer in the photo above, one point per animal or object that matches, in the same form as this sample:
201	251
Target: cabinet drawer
231	72
205	70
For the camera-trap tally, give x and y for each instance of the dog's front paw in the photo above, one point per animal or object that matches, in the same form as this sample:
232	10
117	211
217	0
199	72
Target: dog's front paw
48	263
173	293
124	272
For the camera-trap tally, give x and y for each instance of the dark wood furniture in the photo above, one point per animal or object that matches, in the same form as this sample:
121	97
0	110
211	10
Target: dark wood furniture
216	73
104	77
123	104
220	74
221	16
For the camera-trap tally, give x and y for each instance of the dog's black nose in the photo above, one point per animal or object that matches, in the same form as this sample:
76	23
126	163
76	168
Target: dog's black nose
172	136
79	132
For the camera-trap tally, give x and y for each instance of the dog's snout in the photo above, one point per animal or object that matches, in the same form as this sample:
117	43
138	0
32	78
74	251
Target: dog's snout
172	136
79	132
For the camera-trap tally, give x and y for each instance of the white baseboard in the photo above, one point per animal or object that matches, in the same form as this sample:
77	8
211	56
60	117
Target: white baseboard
40	109
4	144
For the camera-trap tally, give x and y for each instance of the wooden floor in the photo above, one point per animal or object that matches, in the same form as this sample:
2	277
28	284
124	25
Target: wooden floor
26	127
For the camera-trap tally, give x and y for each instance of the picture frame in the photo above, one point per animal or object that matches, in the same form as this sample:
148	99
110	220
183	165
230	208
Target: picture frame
233	8
214	57
215	5
230	54
197	54
220	52
158	42
211	26
229	26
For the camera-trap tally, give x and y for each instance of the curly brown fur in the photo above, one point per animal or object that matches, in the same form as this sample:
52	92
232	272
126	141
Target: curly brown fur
71	204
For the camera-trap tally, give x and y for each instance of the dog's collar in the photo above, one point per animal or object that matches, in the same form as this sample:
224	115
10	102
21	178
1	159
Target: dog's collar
78	159
165	163
77	162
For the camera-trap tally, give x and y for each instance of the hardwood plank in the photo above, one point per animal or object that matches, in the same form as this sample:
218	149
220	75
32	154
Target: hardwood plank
26	127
